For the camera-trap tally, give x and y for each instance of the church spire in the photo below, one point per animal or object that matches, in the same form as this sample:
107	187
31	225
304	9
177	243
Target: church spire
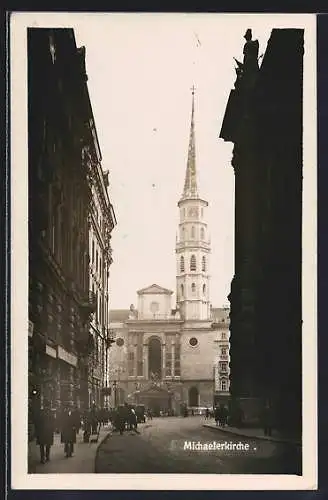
190	187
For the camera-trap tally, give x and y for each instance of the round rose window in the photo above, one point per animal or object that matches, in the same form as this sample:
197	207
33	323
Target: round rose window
120	342
193	341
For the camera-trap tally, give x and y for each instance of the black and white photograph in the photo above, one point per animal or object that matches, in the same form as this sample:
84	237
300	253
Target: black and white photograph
163	251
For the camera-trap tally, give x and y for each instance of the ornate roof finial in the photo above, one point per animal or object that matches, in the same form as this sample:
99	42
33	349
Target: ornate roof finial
190	186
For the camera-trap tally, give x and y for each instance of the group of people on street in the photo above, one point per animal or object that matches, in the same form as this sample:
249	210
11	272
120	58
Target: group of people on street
69	423
45	427
125	417
221	414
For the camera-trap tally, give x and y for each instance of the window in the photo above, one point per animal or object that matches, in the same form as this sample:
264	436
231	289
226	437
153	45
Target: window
140	356
131	363
182	266
120	342
182	290
193	341
154	307
223	367
193	288
203	264
202	234
192	232
177	359
223	336
224	385
193	396
223	351
193	263
204	289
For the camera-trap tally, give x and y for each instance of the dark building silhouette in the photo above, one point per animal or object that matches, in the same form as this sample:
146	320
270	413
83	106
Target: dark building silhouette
264	121
62	155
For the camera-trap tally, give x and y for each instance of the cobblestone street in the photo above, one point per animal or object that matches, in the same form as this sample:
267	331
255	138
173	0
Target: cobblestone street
160	448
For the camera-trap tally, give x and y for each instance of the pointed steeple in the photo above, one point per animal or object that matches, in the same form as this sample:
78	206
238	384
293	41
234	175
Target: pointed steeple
190	187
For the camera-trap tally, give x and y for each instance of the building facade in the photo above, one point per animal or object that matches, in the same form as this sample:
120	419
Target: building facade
102	222
167	358
264	121
220	324
62	162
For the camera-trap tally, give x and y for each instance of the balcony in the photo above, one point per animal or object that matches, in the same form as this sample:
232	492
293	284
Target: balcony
88	301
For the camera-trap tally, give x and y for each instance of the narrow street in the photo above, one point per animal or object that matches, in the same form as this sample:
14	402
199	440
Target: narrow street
160	448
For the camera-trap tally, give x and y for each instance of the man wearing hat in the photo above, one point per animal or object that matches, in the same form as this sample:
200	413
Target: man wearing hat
45	427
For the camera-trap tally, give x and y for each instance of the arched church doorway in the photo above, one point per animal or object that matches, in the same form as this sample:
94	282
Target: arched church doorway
155	358
193	396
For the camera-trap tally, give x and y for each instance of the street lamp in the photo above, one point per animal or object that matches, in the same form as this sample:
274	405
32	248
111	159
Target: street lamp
115	393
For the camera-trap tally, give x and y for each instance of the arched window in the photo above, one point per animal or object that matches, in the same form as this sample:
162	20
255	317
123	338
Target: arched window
182	266
193	263
193	287
203	264
193	232
182	291
155	358
224	385
202	234
204	289
193	396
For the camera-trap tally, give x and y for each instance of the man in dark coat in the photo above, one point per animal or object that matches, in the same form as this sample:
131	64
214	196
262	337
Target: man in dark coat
45	428
68	433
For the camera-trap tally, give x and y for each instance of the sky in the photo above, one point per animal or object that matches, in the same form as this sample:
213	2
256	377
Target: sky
141	68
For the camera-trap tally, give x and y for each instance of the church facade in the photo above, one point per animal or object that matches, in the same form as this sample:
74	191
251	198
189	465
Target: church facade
165	357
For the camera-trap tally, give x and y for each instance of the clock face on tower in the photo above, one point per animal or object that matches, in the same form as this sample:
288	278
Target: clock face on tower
193	212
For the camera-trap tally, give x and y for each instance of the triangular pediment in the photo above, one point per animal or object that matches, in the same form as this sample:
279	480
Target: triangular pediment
154	289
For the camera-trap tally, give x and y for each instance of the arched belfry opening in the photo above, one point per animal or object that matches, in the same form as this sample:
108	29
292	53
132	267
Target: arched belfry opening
155	358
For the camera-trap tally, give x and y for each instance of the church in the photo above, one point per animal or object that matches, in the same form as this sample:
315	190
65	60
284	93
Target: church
169	357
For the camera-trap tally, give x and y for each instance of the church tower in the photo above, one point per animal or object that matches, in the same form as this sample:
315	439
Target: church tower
193	243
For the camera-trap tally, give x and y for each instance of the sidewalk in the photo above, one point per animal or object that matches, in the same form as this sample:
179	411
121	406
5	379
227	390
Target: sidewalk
254	433
82	461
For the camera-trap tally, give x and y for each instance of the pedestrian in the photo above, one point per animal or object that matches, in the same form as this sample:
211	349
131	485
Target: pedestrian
94	419
217	415
133	421
77	419
120	419
45	428
68	434
225	414
267	419
207	413
86	427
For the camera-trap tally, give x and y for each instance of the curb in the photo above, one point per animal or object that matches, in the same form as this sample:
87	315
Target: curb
104	438
263	438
